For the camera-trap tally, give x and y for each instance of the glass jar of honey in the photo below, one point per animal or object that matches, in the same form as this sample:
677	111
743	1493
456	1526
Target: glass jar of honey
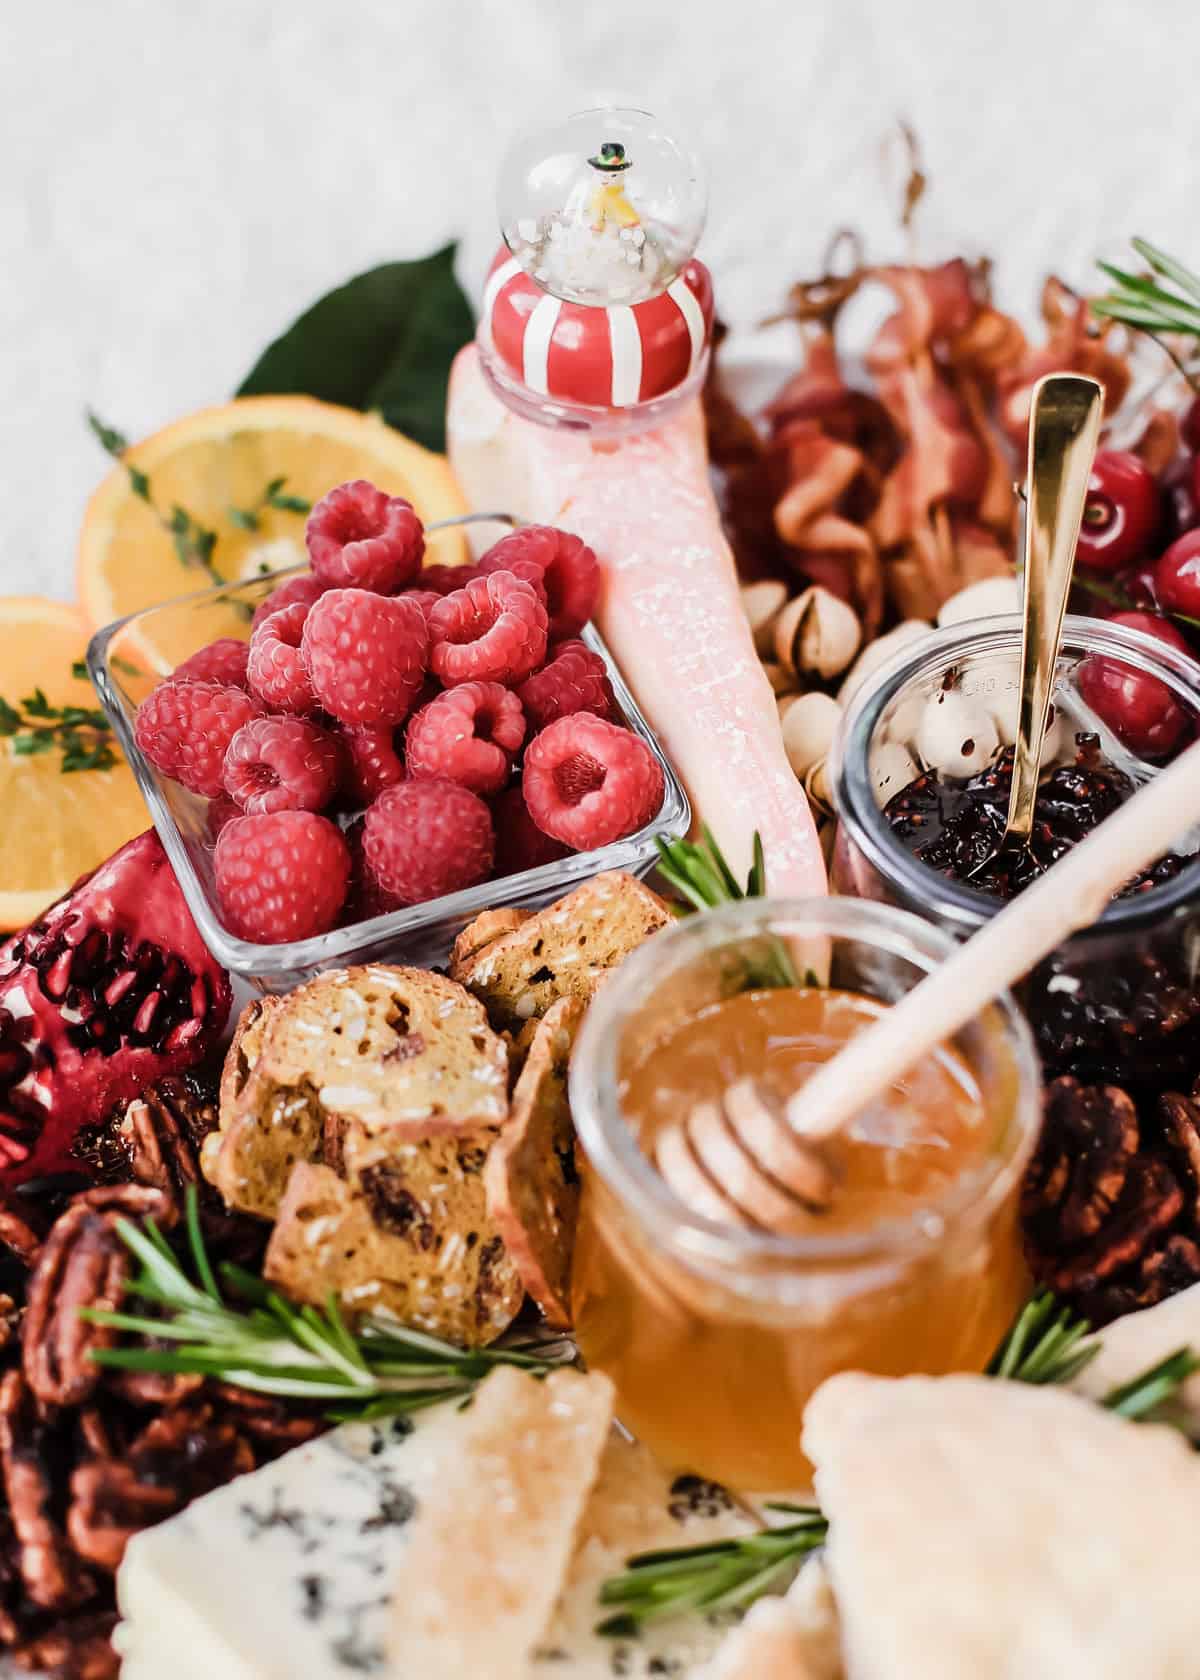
716	1331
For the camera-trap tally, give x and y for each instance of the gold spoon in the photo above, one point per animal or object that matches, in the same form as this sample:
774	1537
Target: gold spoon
1064	427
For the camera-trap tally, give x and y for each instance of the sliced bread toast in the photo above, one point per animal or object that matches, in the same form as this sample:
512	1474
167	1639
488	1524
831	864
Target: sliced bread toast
565	950
531	1178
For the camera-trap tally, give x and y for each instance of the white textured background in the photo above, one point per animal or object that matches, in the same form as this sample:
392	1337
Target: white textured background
180	178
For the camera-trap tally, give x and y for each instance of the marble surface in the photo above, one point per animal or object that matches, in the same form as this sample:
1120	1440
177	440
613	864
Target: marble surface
180	180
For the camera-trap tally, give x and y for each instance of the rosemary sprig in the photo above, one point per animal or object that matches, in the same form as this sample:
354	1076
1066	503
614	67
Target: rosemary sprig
1144	304
250	519
251	1336
1046	1345
702	876
82	735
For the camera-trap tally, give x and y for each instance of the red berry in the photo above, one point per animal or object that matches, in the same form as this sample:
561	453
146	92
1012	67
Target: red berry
444	580
1139	709
575	680
1177	576
570	571
469	734
184	729
365	898
365	655
424	839
281	876
426	599
223	661
276	669
305	588
221	810
588	782
282	764
1180	486
1189	428
494	630
520	843
371	761
1121	513
360	538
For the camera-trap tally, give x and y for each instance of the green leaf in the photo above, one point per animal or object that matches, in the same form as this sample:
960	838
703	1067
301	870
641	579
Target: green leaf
385	340
244	520
10	719
112	441
1169	267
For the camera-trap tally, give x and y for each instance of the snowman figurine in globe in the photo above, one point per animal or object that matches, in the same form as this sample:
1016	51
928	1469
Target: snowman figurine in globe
597	315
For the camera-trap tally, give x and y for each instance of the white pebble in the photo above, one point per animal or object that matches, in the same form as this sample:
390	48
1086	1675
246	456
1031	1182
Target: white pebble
956	737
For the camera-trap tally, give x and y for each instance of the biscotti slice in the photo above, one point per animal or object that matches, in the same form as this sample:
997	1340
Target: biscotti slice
491	1543
489	925
531	1179
563	951
251	1159
405	1231
241	1058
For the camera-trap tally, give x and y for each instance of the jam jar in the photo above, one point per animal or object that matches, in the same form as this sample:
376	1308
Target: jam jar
919	777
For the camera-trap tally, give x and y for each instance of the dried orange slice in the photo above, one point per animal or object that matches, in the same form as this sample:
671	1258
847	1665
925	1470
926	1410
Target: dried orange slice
216	466
56	826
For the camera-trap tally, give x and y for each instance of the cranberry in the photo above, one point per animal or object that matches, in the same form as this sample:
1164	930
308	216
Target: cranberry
1139	709
1189	428
1177	576
1121	513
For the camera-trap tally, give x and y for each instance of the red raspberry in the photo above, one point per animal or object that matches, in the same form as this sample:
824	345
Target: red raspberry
221	810
223	661
276	667
365	655
184	729
575	680
361	538
282	764
494	630
587	782
372	762
365	897
469	734
444	580
281	875
424	839
529	571
520	843
305	588
426	599
571	572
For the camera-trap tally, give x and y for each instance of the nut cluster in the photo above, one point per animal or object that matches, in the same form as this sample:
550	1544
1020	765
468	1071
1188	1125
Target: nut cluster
89	1457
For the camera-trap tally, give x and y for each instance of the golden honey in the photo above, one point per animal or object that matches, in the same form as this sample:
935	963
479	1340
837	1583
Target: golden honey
716	1346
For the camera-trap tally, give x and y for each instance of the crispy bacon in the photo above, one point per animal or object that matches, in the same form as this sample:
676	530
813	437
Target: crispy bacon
1076	343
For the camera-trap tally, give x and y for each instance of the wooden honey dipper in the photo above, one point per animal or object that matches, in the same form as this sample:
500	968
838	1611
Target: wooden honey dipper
751	1151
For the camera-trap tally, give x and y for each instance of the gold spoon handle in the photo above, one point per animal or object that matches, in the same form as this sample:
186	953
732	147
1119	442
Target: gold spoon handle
1064	427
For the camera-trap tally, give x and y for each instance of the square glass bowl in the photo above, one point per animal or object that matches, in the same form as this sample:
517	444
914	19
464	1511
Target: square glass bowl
124	667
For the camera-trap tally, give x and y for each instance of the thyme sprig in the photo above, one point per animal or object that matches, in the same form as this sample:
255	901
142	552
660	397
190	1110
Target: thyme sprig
251	1336
272	496
82	735
1143	303
1047	1344
701	875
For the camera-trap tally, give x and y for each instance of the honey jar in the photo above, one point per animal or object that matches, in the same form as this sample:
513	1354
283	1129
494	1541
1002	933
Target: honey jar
716	1332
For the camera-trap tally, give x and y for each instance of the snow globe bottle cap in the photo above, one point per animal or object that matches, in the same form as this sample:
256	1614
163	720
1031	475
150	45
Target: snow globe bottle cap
597	315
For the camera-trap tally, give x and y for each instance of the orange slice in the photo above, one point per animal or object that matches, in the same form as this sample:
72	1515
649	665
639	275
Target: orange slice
216	465
55	826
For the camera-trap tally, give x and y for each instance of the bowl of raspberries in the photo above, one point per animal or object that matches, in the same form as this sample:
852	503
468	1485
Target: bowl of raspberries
352	773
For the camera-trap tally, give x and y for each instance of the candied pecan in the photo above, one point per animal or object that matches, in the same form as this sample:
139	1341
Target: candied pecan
19	1233
10	1321
1181	1126
83	1263
1088	1143
161	1129
191	1450
1162	1272
78	1648
109	1505
1150	1201
272	1425
154	1388
53	1577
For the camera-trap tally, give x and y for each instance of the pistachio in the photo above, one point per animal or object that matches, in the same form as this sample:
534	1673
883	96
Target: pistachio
762	603
809	726
877	654
981	600
955	736
817	788
817	635
780	678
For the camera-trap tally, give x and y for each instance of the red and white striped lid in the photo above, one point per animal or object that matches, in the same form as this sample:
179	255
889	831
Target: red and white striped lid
607	357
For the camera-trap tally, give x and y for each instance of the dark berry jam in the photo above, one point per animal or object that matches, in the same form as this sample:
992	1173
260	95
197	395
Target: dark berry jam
956	827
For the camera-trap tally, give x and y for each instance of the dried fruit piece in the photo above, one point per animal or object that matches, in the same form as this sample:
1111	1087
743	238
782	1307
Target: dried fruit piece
184	729
110	990
361	538
469	734
587	782
281	876
365	655
1089	1141
282	764
494	630
424	839
276	667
